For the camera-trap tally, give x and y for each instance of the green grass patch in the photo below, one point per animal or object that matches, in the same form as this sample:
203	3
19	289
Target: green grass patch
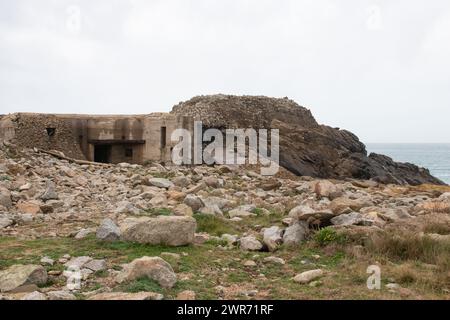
239	276
158	212
326	236
140	285
258	211
273	219
214	225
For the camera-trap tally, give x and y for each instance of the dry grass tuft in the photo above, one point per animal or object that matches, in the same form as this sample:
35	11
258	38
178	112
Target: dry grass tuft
405	246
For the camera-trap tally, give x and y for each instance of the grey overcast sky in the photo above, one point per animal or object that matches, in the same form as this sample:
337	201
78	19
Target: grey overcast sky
379	68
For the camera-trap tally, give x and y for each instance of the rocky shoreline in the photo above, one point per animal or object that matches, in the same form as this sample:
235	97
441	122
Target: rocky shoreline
194	231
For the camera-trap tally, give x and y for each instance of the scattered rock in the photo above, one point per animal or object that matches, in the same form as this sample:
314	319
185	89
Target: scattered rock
304	213
61	295
249	263
270	184
47	261
35	295
295	234
5	198
345	205
392	286
250	243
26	186
161	183
273	237
239	212
16	277
325	188
194	202
108	231
154	268
186	295
230	239
50	192
5	222
77	263
308	276
29	207
96	265
181	181
274	260
126	207
300	211
127	296
212	182
200	238
347	219
83	233
183	210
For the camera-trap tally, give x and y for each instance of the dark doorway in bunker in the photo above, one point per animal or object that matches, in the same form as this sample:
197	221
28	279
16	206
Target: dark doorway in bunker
102	153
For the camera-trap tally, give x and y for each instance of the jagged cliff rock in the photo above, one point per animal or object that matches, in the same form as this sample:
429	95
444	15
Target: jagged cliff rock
306	147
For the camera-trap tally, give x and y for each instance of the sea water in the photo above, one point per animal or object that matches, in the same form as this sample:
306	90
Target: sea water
433	156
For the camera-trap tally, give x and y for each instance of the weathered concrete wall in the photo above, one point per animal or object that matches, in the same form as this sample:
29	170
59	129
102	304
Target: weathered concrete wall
7	129
154	147
119	154
31	131
78	135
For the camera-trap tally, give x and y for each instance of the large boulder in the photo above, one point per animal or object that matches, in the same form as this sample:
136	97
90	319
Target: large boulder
300	211
347	219
312	216
250	243
108	231
273	237
162	230
295	234
154	268
327	189
22	277
344	205
306	147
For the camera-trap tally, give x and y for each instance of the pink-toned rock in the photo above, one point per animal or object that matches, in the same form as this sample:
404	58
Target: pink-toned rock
29	207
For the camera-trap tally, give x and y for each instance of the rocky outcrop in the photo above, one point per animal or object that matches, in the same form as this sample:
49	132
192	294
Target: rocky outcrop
306	147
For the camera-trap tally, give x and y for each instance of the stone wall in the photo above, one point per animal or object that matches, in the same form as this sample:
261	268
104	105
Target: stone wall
47	132
7	131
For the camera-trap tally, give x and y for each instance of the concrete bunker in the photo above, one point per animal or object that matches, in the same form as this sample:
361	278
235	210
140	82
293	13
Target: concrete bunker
100	138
